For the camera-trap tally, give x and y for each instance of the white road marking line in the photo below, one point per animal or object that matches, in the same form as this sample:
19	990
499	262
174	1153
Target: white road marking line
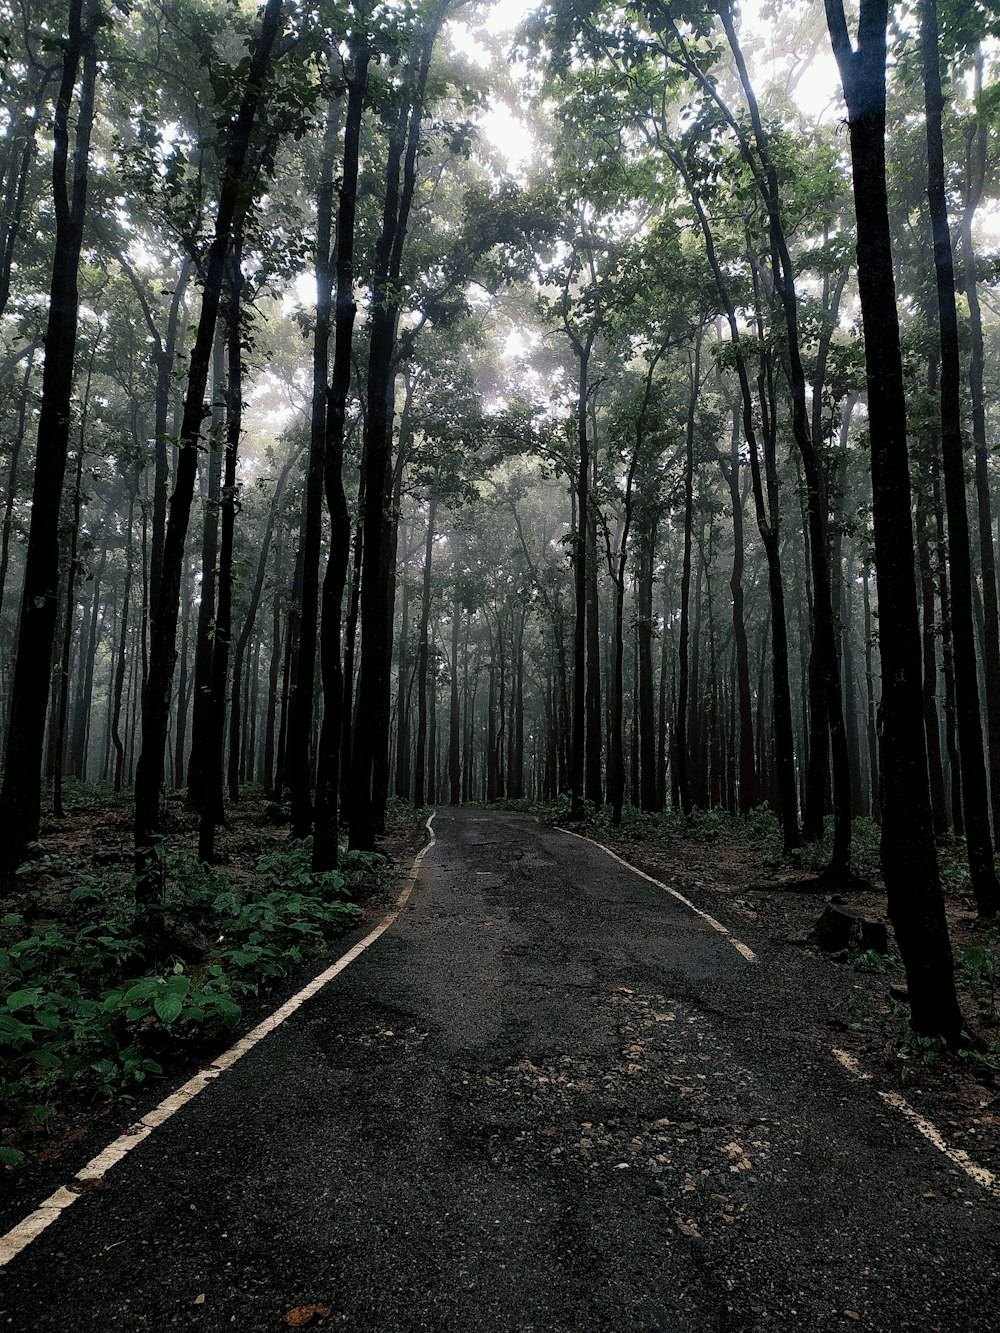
743	949
986	1179
55	1205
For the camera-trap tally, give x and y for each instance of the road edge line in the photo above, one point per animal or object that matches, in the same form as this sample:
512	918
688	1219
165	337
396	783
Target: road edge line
742	949
980	1174
47	1212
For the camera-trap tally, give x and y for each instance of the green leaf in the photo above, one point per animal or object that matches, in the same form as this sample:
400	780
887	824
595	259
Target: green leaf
11	1156
47	1059
169	1005
23	999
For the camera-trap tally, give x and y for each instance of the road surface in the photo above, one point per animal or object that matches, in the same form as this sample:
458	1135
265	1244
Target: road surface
549	1099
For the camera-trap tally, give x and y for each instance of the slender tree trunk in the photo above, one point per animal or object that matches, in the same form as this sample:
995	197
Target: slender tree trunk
204	641
747	794
827	662
163	639
592	759
648	796
767	514
419	774
909	856
982	869
580	546
239	655
874	764
932	725
213	810
180	738
326	843
119	677
83	702
367	813
15	455
975	175
21	147
297	754
274	672
680	738
61	699
20	794
454	714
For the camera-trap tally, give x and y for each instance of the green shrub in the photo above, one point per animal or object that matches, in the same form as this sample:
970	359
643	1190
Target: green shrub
82	1013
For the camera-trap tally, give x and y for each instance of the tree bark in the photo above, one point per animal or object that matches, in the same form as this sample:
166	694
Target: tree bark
20	794
975	175
213	810
239	655
367	812
326	841
163	639
420	765
908	853
580	546
979	842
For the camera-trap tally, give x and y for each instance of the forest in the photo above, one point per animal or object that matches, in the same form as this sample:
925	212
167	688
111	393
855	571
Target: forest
420	403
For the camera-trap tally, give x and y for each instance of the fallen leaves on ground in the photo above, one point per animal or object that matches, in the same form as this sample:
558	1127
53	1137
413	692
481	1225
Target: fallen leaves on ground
304	1315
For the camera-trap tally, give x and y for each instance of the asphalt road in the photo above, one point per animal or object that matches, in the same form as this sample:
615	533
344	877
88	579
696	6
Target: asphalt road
550	1099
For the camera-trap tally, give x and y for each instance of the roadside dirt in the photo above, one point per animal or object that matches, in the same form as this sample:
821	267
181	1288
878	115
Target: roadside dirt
856	1005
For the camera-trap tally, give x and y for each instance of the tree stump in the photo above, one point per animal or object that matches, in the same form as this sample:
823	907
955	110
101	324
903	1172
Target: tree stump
846	928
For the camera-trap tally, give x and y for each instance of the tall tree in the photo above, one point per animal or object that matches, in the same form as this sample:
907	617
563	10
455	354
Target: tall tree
232	205
326	842
370	757
970	731
908	852
20	794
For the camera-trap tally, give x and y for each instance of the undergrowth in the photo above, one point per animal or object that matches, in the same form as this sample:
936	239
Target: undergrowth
84	1017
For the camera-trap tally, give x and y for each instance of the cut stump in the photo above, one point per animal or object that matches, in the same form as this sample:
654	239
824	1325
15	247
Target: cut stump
846	928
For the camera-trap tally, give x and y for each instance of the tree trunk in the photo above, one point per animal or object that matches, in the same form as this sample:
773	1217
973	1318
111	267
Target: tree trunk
58	720
932	725
119	677
648	796
985	885
301	706
213	810
239	655
326	842
580	545
15	455
909	856
987	556
747	795
419	772
767	514
680	738
454	714
163	638
367	813
20	794
204	641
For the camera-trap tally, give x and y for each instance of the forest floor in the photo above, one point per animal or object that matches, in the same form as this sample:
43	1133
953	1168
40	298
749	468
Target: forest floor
90	1023
731	868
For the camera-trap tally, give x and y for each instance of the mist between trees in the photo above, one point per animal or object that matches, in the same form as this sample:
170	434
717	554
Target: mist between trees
341	462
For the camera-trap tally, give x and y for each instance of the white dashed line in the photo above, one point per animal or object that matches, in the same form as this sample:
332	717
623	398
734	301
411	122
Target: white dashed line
986	1179
46	1213
743	949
